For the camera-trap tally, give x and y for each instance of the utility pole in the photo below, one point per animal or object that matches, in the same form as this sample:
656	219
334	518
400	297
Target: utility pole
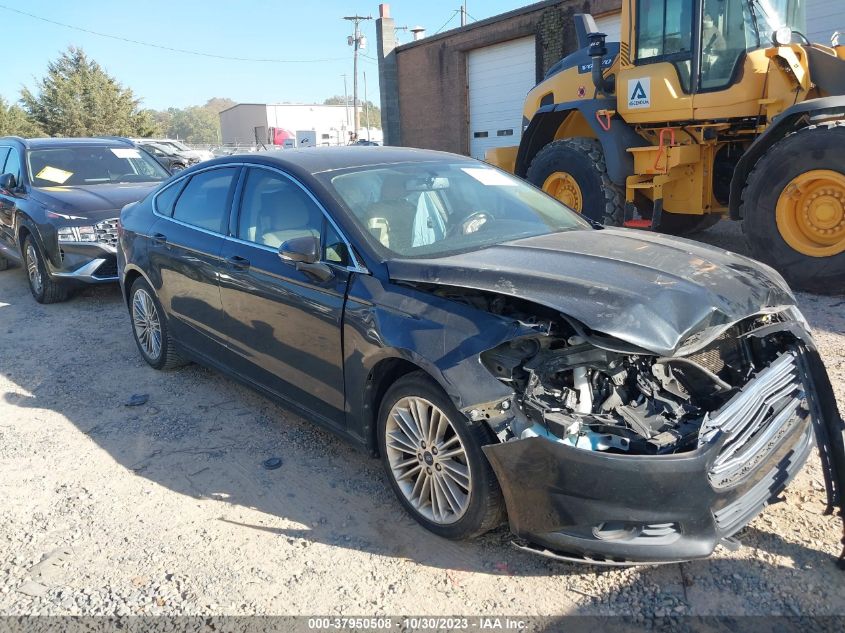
356	41
464	14
345	100
366	106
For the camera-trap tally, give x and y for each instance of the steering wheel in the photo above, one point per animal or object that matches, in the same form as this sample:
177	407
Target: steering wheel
470	224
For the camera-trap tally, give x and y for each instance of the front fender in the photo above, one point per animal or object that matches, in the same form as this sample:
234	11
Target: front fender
444	338
615	142
790	120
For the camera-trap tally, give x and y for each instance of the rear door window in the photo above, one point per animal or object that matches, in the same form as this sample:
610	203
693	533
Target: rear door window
206	199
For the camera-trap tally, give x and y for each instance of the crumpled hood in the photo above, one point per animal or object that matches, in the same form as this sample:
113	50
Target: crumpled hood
646	289
93	202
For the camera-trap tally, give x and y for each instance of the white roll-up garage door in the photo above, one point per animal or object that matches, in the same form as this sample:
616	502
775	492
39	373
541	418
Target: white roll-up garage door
824	17
499	77
610	25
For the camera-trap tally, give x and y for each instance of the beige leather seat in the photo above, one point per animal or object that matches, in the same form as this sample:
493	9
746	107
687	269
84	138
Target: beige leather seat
285	214
394	208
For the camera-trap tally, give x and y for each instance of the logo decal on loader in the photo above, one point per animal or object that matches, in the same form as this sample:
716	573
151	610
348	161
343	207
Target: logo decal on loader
640	93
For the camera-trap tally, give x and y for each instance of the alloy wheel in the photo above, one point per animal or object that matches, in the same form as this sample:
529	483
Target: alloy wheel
33	269
147	324
428	460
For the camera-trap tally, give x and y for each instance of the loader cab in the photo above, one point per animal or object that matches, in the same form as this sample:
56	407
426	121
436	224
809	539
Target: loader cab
681	48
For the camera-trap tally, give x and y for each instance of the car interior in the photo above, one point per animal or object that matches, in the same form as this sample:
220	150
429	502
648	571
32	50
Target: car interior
274	211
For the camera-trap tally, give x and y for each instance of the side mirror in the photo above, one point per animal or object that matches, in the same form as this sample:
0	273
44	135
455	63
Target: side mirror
304	254
8	182
304	250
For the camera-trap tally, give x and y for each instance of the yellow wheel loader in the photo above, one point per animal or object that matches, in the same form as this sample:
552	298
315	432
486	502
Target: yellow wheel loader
705	109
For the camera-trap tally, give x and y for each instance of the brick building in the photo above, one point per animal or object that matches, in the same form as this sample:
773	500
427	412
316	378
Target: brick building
462	90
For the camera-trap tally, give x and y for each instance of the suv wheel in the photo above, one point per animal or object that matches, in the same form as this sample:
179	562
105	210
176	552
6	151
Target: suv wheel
149	328
43	287
434	461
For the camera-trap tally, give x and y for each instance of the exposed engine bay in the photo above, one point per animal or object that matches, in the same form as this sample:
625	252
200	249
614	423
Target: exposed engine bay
573	387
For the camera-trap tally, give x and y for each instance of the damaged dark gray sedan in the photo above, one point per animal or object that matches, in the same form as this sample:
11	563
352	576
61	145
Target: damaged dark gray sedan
619	396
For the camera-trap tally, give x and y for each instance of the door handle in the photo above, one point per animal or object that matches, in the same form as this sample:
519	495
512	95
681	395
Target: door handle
237	262
159	239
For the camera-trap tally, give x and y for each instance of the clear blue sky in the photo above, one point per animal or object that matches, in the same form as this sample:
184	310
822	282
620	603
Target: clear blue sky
277	29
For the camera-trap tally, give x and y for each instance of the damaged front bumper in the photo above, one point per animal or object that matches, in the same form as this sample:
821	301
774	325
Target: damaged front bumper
624	509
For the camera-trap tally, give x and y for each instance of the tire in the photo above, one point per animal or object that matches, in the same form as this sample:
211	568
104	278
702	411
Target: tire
811	149
479	511
44	288
680	224
145	312
583	160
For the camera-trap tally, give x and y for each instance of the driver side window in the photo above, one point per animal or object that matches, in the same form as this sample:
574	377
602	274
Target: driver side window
274	209
13	165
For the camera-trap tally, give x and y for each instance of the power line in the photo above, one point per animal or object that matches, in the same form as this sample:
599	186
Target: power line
169	48
454	13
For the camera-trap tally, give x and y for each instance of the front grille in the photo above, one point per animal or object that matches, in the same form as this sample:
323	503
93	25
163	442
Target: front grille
767	409
106	232
736	514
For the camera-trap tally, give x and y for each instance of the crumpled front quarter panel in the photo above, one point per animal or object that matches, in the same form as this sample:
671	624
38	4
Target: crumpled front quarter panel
444	338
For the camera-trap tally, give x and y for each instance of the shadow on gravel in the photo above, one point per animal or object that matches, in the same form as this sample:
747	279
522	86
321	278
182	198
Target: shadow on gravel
201	435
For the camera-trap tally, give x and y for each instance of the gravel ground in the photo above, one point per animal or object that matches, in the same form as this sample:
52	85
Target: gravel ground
165	508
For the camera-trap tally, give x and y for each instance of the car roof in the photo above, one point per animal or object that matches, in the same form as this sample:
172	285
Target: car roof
320	159
37	143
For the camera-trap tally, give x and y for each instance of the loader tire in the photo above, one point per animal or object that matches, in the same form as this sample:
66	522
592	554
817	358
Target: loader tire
793	208
573	171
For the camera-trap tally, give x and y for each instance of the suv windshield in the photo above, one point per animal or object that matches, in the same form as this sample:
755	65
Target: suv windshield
92	165
431	209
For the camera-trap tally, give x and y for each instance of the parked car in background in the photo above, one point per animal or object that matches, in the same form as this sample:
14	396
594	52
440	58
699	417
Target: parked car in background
626	397
198	155
59	204
171	159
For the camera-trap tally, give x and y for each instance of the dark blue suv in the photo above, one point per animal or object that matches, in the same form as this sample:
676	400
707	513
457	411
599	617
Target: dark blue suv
60	200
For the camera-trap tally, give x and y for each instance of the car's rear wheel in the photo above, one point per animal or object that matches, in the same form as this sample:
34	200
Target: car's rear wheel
44	288
434	460
149	327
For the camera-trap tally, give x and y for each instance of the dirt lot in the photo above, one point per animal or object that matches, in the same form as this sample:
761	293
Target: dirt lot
165	507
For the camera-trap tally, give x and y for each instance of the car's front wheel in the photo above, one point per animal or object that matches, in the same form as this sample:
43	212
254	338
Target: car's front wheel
149	328
44	288
434	460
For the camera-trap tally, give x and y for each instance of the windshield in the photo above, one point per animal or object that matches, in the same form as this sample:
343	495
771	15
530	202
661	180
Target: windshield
92	165
177	145
776	14
431	209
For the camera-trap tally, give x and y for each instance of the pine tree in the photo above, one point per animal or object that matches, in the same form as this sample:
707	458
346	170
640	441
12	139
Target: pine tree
15	122
78	98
